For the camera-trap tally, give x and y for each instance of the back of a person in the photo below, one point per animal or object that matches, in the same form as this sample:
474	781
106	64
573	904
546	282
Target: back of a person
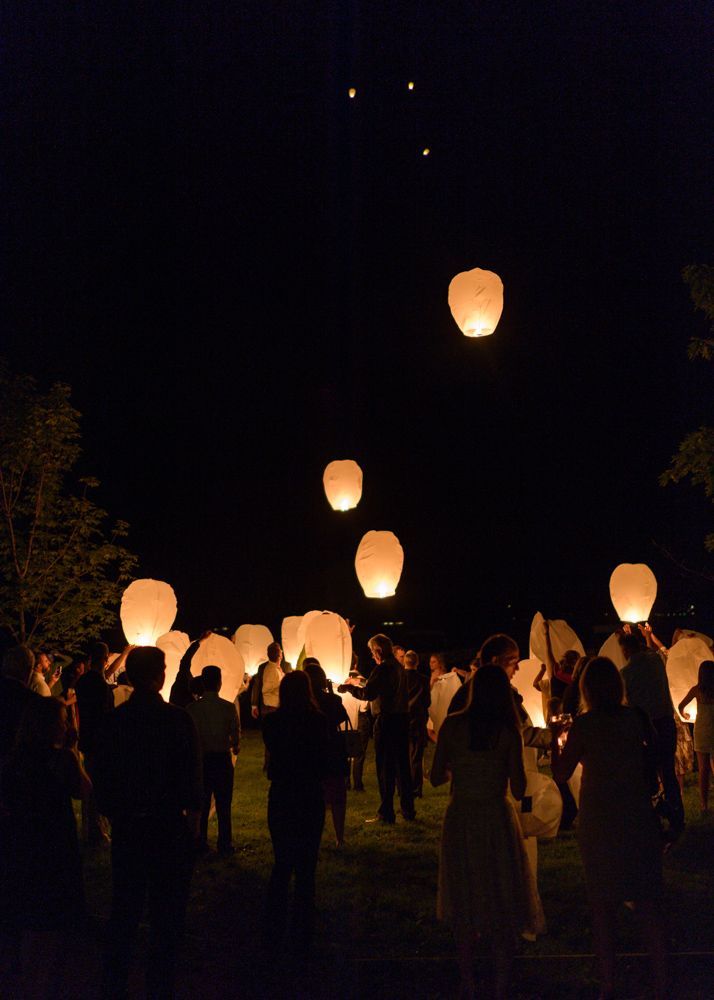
613	759
646	684
94	699
214	718
480	775
297	746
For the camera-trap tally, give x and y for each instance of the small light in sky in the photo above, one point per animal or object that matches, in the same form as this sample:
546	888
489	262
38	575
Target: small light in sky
425	152
352	92
410	85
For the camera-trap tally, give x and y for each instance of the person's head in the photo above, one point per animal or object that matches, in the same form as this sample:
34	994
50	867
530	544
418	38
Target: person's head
399	653
18	663
474	665
316	675
98	656
411	660
631	642
296	694
705	678
212	678
380	646
123	679
568	660
275	653
579	667
437	663
146	667
43	663
70	675
43	725
500	649
601	685
491	707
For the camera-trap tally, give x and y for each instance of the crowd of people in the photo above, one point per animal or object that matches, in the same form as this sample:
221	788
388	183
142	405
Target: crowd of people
148	771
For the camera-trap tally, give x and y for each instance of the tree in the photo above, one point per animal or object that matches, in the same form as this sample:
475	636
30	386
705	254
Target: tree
61	577
694	458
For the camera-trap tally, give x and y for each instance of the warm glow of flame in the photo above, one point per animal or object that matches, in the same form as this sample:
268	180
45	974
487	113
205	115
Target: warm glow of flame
144	639
426	151
383	590
352	92
410	85
477	331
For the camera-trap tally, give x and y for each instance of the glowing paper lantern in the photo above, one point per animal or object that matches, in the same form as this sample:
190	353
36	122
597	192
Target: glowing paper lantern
289	637
252	643
303	626
174	645
342	480
476	301
148	610
442	693
633	589
352	92
217	651
379	562
425	152
562	638
410	85
523	683
328	638
683	662
612	650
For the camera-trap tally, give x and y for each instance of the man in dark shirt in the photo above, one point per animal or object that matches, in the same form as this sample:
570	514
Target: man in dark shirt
419	700
386	690
181	693
148	782
94	701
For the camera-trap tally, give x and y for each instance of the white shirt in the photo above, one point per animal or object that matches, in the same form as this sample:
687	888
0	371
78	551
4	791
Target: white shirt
272	676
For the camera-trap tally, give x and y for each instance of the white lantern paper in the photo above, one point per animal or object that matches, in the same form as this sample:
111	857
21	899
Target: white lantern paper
342	480
562	638
148	610
442	694
613	651
476	301
289	637
252	643
633	589
174	645
379	562
523	683
217	651
683	662
328	638
303	627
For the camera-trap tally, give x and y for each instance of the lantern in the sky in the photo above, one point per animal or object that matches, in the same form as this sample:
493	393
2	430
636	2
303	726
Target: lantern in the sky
342	480
633	589
252	643
174	645
476	301
289	637
217	651
379	563
148	610
328	638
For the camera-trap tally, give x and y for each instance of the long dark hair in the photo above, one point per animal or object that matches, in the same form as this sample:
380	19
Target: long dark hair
296	697
491	708
601	685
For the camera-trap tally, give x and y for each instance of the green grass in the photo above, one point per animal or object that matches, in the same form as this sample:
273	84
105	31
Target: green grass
377	935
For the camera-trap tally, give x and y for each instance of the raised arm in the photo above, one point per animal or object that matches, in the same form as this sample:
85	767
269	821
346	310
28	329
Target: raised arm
689	696
550	661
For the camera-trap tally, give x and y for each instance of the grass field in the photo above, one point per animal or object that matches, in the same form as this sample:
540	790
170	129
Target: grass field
377	935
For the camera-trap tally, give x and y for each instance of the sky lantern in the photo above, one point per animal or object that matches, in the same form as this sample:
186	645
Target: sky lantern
527	672
476	301
342	480
303	626
410	85
683	662
174	645
252	643
613	651
289	638
633	589
425	151
328	638
217	651
148	610
562	638
379	562
352	93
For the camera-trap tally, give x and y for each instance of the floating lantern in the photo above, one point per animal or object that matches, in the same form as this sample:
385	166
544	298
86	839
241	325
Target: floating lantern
633	589
148	610
410	85
352	92
252	643
174	645
562	638
613	651
217	651
379	562
342	480
289	636
528	670
476	301
426	151
683	662
327	637
303	626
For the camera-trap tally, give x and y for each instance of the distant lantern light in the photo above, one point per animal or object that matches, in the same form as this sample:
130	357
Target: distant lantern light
217	651
174	645
328	638
352	92
476	301
379	562
425	151
633	589
148	610
292	646
342	480
252	643
410	85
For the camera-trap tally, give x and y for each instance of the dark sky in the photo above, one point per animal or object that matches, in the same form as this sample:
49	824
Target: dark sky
243	275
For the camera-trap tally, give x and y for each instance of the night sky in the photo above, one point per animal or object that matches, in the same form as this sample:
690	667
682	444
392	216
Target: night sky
243	274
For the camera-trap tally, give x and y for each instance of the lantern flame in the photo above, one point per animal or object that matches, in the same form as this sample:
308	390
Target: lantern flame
352	92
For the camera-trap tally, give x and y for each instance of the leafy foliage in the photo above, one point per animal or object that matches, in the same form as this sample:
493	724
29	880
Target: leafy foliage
60	575
700	278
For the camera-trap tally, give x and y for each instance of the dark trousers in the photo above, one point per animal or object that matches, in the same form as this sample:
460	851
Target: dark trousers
364	728
151	861
296	816
666	748
218	784
391	751
417	745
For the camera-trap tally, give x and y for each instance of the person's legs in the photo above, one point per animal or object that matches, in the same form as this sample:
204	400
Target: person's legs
128	893
502	964
281	825
208	791
223	792
417	742
385	773
603	934
703	761
465	941
656	940
169	877
307	848
400	743
364	725
666	749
